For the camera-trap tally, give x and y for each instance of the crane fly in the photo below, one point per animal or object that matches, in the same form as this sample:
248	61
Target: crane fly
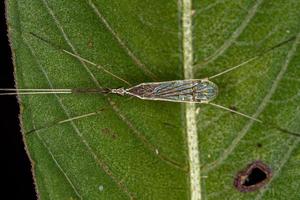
183	91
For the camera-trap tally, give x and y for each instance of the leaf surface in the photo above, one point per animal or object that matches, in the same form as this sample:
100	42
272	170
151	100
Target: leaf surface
135	149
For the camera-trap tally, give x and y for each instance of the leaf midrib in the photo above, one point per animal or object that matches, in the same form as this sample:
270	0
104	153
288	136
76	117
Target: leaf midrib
190	112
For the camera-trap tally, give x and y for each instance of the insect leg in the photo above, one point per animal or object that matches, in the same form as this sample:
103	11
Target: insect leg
236	112
66	120
79	58
50	124
271	125
253	58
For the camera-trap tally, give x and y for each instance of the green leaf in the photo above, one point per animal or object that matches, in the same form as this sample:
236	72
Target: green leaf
135	149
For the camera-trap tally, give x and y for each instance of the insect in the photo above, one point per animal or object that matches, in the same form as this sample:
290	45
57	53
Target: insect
186	91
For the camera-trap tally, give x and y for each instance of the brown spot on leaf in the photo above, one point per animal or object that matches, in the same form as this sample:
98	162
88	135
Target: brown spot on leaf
90	44
169	125
108	132
253	177
232	107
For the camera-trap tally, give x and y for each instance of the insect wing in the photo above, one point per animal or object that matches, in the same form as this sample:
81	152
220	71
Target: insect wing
197	91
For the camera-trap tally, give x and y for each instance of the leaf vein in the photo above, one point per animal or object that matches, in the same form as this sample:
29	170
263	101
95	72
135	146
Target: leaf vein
139	135
190	112
259	110
284	160
239	30
137	61
57	164
101	164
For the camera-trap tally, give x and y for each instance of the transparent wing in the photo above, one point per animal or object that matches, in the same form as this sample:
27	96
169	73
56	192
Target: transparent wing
196	91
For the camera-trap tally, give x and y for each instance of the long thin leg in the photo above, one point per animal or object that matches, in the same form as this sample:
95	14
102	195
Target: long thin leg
253	58
236	112
79	58
235	67
271	125
74	118
67	120
95	65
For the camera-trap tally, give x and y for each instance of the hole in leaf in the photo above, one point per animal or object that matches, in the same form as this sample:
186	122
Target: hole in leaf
259	145
253	177
256	176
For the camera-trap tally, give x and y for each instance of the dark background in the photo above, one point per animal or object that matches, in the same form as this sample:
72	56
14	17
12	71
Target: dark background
16	177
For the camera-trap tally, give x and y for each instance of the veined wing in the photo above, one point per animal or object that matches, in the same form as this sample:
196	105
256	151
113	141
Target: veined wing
198	91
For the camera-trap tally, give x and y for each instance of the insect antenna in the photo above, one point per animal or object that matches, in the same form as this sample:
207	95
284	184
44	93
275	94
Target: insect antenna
78	57
11	91
271	125
254	57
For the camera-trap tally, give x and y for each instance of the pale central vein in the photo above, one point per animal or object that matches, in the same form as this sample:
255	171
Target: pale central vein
191	126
